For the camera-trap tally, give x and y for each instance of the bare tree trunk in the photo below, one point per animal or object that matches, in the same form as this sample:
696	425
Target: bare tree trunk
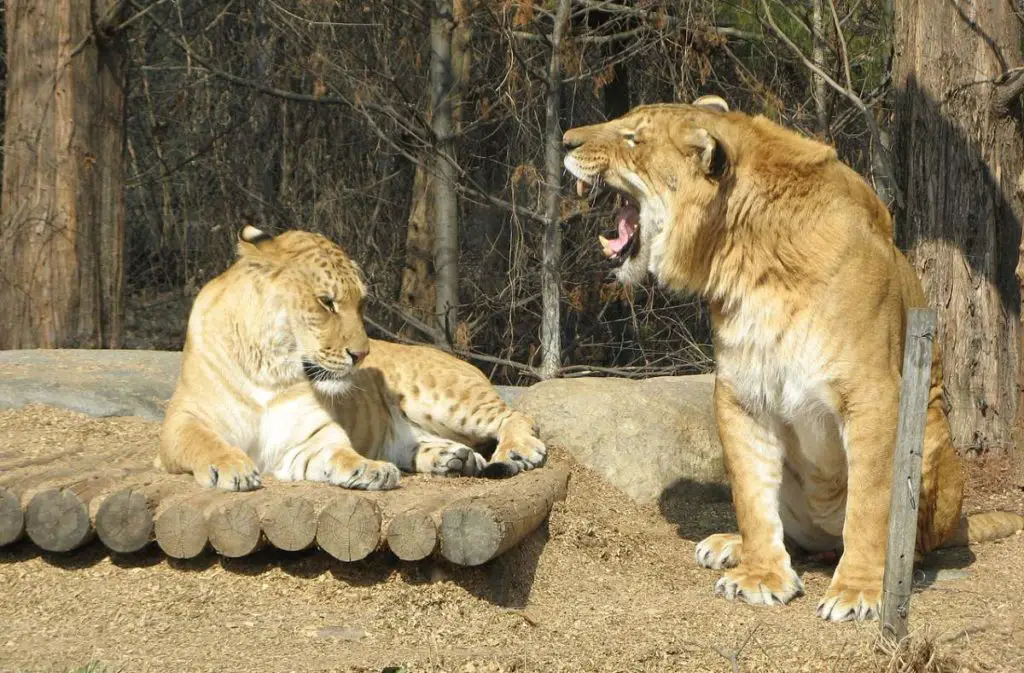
551	286
961	150
818	56
446	205
62	225
418	290
418	293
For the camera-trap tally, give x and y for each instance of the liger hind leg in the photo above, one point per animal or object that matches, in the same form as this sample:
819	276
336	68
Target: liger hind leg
461	403
754	452
436	455
188	445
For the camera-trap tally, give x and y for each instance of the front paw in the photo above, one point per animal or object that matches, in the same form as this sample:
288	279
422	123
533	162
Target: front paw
232	472
720	551
760	586
846	601
364	475
515	455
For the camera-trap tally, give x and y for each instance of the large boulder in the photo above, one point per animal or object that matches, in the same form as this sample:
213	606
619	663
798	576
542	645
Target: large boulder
93	382
653	439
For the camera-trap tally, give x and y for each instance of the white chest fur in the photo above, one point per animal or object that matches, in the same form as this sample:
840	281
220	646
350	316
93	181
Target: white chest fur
775	369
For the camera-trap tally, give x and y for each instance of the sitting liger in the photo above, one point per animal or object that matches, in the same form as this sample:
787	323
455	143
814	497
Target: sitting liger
279	377
808	295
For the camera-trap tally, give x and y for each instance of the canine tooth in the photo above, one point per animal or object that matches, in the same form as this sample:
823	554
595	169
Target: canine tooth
606	246
581	188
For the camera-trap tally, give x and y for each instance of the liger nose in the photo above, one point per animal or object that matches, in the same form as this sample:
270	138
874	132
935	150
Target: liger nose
570	140
357	356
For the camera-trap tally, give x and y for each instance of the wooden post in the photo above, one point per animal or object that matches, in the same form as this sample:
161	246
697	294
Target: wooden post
906	472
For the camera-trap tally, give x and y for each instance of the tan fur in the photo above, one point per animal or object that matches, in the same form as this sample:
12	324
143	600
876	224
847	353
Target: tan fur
808	295
246	404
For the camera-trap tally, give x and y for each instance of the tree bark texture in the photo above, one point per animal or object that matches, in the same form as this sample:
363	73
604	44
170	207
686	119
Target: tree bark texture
62	224
418	291
551	286
446	205
960	153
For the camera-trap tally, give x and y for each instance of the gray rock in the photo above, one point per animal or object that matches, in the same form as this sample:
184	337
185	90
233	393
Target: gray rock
654	439
94	382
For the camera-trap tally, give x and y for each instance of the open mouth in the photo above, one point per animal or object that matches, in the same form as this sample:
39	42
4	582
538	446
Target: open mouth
318	374
624	242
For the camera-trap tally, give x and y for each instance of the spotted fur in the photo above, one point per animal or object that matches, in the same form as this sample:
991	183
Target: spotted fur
808	296
278	376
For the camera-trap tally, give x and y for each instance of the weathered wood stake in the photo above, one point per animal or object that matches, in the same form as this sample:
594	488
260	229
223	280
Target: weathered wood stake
906	473
476	529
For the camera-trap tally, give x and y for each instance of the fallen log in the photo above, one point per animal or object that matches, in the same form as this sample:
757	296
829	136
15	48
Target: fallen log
414	531
476	529
348	528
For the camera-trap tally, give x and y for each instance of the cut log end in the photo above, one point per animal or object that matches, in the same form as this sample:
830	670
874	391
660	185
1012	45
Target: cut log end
413	535
349	527
57	520
124	522
289	523
12	519
233	527
475	530
180	529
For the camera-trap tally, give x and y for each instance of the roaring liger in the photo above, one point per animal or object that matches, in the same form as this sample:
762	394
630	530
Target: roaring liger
808	295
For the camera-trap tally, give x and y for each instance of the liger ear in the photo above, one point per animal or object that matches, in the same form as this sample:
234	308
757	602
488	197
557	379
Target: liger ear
716	103
250	237
712	155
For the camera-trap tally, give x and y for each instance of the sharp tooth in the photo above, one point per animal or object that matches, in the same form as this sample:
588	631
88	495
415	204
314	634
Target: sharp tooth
581	188
606	246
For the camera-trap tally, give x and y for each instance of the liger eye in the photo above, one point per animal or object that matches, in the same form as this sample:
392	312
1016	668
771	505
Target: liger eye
327	302
630	138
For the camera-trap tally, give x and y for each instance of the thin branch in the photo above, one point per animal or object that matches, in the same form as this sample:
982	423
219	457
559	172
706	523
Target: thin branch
842	44
850	95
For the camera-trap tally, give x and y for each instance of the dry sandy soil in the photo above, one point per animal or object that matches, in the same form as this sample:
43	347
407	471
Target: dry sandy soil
606	586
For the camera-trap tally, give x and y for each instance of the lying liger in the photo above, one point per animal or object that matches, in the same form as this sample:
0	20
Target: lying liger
278	376
808	296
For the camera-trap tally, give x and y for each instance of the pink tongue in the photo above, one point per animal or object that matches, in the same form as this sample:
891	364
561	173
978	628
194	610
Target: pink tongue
627	217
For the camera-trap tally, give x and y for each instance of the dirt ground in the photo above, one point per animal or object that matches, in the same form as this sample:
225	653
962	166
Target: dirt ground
606	586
